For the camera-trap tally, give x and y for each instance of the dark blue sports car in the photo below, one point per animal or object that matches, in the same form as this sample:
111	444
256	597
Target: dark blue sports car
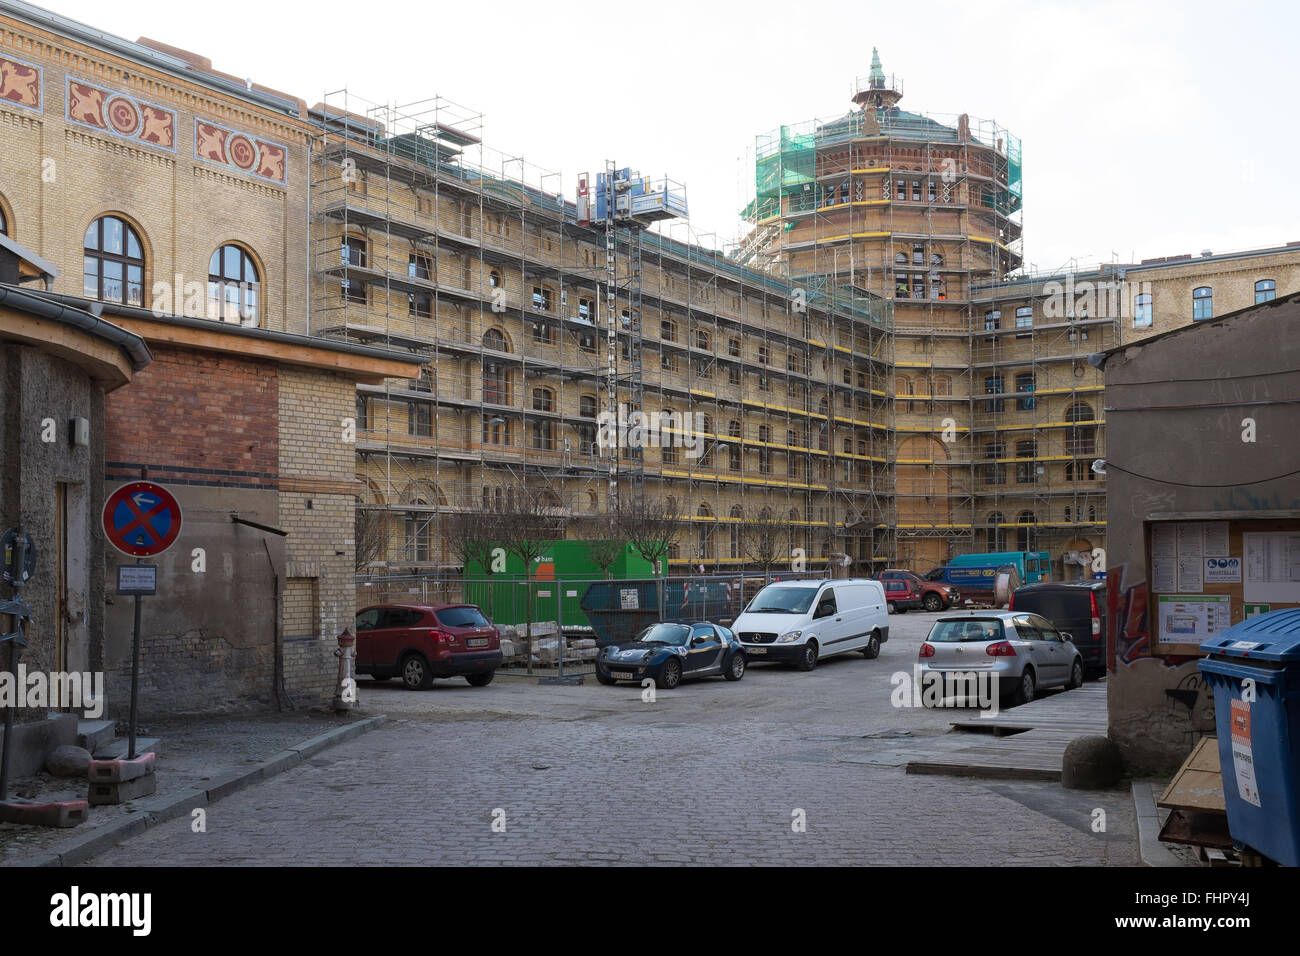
671	652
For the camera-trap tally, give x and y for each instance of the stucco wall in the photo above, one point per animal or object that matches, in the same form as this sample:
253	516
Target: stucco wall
35	386
1190	462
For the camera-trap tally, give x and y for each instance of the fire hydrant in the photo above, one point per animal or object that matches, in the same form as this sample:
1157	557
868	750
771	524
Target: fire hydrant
345	694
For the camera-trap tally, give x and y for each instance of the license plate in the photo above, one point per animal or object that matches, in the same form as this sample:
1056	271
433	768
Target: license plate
477	642
756	650
622	675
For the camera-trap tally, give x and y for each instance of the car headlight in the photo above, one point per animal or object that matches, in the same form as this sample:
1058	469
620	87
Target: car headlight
789	636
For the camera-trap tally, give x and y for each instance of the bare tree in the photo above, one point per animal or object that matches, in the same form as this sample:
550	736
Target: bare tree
370	533
652	528
764	540
473	534
603	547
527	532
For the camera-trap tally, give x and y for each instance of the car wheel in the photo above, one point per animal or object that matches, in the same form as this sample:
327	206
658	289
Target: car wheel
1025	692
808	657
893	608
415	672
933	602
736	669
872	650
480	680
1076	675
670	675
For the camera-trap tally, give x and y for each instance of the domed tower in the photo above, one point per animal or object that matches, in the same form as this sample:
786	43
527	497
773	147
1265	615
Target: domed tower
919	210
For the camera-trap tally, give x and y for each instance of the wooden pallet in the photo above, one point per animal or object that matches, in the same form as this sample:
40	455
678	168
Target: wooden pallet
1082	709
1028	742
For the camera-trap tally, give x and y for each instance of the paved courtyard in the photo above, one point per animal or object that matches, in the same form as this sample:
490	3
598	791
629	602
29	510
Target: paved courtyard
782	767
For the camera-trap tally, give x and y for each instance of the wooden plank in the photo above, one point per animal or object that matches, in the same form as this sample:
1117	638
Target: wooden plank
1198	784
1082	709
1033	755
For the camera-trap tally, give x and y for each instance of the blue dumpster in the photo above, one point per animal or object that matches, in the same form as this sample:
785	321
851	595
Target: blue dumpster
1259	738
619	610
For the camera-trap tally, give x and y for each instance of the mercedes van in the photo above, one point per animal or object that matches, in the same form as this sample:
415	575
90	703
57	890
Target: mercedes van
801	622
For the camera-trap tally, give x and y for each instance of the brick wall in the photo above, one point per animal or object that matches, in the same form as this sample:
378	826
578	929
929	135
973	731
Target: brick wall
317	508
196	418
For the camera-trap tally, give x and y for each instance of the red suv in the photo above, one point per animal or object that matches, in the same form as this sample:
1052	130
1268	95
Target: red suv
419	642
905	591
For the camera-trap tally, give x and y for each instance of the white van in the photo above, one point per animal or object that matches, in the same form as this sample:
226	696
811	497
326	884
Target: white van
803	621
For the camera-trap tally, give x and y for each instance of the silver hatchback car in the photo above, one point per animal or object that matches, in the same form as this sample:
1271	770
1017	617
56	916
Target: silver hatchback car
1025	652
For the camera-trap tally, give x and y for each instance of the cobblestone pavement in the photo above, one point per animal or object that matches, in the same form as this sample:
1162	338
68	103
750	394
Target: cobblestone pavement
194	749
712	772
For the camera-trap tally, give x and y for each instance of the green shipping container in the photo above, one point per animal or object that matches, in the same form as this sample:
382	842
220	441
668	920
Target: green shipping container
562	575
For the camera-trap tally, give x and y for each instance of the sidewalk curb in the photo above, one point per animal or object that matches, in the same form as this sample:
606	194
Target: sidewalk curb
156	810
1154	853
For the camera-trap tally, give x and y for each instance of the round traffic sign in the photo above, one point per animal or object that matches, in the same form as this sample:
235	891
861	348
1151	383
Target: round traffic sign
142	519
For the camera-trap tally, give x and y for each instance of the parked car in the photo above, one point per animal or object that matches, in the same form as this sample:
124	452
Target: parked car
419	642
917	592
1079	608
1024	651
673	651
801	622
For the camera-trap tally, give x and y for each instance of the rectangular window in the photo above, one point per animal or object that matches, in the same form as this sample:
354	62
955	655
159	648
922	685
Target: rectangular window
992	386
1024	320
419	421
1142	311
1025	383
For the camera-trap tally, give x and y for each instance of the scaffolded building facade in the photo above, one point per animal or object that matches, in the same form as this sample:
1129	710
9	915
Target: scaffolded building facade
423	239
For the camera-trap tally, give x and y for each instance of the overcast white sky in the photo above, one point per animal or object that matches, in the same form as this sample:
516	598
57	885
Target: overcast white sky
1149	128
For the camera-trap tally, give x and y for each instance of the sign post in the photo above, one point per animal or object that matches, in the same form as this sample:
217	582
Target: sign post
141	519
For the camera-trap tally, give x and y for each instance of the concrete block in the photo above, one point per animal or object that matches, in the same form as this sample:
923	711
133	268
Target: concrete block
94	734
102	794
116	749
121	770
62	813
35	740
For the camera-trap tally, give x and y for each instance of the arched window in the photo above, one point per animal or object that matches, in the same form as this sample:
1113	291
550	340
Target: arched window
4	222
1265	289
1080	439
496	377
234	286
1202	303
113	269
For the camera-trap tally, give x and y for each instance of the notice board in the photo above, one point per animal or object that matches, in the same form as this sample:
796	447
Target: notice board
1206	575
